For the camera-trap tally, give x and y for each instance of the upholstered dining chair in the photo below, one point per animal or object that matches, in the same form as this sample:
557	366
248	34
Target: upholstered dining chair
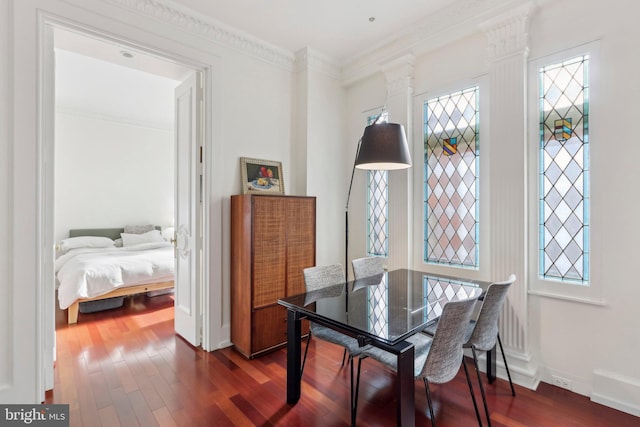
367	267
317	278
437	358
482	333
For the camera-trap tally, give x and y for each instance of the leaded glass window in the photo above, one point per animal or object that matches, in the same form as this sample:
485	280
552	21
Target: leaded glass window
379	308
439	291
451	166
377	205
564	170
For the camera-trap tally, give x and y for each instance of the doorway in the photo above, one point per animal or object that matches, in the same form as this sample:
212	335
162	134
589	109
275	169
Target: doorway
96	48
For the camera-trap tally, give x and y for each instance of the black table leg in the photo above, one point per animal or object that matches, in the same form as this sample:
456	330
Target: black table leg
491	365
405	393
294	329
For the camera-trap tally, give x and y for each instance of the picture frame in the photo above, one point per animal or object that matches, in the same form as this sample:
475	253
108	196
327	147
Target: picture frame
261	176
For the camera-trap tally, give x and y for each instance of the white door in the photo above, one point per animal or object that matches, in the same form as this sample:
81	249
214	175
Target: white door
47	175
188	208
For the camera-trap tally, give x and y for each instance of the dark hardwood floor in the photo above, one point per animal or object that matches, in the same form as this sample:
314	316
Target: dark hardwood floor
127	367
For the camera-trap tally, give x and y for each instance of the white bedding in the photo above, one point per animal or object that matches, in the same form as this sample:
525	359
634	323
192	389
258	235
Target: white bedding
91	272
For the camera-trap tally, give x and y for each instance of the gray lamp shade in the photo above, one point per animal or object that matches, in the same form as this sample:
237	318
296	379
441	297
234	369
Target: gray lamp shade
384	147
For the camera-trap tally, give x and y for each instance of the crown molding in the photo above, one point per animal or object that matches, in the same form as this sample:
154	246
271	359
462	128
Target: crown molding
208	28
310	59
461	19
122	120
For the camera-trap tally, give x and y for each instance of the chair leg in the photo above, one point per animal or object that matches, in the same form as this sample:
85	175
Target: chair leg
354	395
344	354
304	359
513	391
484	398
431	414
473	396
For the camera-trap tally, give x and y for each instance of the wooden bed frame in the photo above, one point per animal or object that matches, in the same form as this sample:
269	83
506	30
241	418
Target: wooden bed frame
72	314
112	233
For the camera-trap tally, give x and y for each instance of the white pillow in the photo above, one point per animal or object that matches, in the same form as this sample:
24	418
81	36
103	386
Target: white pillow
129	239
85	242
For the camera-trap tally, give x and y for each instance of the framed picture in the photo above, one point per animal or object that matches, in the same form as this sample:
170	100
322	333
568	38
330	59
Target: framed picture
261	176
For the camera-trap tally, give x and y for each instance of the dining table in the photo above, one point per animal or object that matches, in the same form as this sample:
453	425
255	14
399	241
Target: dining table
383	311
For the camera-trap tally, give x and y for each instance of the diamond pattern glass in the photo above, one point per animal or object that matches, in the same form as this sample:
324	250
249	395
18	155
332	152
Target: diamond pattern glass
377	213
564	171
377	206
451	151
439	291
379	308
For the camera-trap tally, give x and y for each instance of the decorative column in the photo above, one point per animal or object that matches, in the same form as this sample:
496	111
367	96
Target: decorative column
399	78
507	54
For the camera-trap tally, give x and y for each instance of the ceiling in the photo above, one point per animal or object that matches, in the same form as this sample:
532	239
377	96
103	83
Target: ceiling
338	28
93	78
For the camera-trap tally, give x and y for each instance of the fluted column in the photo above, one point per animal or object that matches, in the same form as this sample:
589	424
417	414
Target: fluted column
399	80
507	54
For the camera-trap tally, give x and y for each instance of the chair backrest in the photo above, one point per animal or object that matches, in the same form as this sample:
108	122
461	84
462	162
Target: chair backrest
367	267
446	352
322	276
485	333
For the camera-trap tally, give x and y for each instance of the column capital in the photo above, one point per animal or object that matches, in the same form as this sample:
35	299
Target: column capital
399	74
508	33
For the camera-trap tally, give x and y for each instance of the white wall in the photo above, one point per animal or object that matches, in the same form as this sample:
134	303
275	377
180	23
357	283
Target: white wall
110	174
320	145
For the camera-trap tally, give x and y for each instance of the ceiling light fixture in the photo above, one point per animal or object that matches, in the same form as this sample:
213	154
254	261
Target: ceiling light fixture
372	18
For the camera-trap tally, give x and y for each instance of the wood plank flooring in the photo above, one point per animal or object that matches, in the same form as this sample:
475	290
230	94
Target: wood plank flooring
127	367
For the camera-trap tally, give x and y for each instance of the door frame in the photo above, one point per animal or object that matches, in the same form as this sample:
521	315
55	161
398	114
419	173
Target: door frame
212	195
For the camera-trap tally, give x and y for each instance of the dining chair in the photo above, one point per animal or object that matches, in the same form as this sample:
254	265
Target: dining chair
367	266
437	358
317	278
482	333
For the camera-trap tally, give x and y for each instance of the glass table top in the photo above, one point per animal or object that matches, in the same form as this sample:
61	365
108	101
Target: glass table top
387	307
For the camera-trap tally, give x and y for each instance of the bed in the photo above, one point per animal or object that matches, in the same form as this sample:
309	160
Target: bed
90	267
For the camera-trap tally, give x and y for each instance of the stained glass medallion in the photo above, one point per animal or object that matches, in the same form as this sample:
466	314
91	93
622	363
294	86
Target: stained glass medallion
450	146
564	155
451	130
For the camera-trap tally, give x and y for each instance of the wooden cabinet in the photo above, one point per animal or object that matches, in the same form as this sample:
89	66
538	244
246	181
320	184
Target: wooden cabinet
273	238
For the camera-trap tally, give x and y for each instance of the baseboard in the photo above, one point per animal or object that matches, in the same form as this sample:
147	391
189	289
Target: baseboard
616	391
225	336
523	371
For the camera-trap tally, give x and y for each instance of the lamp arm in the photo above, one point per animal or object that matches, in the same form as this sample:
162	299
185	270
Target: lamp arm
353	170
346	217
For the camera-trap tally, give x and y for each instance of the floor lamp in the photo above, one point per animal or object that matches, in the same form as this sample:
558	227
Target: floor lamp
383	146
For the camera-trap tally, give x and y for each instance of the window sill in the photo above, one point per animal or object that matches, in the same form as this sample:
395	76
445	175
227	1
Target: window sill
582	300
